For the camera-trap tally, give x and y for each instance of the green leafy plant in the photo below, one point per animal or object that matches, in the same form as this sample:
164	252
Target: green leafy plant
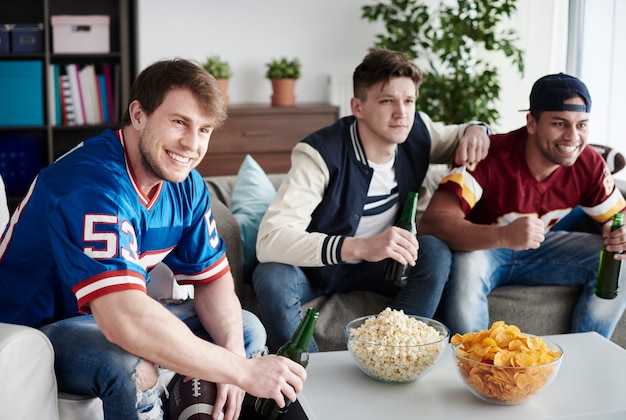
283	69
220	69
457	86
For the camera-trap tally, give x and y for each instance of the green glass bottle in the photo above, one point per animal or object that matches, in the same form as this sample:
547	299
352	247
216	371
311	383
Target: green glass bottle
607	282
395	272
296	349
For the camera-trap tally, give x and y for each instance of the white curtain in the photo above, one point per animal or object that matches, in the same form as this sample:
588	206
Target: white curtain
602	67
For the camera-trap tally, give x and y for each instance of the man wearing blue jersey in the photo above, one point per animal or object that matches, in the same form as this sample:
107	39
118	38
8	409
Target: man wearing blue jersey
76	256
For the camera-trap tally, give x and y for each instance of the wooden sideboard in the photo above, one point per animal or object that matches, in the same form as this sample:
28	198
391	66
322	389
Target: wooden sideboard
265	132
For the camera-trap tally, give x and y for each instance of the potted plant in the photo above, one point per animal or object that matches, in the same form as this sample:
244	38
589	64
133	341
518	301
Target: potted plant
457	85
220	69
283	74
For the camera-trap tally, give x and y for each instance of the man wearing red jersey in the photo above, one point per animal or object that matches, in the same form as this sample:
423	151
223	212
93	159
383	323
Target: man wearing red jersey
497	216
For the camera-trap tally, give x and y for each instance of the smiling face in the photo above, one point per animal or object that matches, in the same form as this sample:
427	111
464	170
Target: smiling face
556	139
385	116
171	141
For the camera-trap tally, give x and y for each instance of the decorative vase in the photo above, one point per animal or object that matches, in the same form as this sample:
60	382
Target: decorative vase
223	85
283	92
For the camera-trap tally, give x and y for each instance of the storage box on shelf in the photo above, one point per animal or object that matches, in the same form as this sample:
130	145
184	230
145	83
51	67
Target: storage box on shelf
5	46
27	38
80	34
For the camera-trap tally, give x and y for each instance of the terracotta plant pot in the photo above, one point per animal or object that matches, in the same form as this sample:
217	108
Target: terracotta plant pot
223	84
283	92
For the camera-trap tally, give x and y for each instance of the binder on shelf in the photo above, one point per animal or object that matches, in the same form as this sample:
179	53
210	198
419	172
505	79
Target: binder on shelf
108	81
79	109
89	88
52	108
104	105
90	97
21	84
68	112
55	111
58	94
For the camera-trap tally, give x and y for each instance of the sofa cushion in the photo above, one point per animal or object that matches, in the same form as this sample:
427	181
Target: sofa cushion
252	194
337	310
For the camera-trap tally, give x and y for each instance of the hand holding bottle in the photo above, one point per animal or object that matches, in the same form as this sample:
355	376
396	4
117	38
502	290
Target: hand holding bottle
609	267
615	239
275	377
296	349
396	272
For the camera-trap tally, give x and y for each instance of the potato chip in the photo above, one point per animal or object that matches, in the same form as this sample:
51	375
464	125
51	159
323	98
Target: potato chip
503	364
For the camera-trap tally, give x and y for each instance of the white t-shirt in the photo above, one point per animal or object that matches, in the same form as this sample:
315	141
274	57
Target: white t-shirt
382	202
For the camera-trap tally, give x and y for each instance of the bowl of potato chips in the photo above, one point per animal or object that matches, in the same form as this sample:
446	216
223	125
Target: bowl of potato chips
504	366
394	347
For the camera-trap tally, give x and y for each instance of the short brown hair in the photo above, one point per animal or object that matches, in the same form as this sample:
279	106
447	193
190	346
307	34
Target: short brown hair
381	64
153	83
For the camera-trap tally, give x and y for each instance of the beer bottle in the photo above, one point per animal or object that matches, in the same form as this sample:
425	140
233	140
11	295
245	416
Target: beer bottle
296	349
607	281
395	272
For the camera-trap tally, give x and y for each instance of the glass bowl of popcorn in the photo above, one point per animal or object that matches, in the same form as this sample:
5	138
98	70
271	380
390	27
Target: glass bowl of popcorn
504	366
394	347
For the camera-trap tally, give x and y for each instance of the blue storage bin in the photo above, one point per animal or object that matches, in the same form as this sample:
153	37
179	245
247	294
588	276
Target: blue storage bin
27	38
20	162
21	84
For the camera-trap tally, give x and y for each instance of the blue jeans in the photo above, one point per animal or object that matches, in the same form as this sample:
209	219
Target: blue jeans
86	363
281	289
563	259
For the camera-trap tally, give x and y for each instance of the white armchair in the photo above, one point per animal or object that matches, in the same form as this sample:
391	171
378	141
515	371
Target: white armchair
28	387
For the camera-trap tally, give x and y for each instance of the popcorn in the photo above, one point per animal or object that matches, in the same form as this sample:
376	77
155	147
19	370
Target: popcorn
395	347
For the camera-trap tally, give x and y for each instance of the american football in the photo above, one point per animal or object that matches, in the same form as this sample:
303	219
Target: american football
191	400
614	160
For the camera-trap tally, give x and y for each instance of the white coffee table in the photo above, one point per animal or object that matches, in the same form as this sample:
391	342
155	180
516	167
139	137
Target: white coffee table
591	384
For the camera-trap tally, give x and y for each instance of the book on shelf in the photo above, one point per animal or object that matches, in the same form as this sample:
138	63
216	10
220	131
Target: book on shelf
108	81
82	94
67	110
54	96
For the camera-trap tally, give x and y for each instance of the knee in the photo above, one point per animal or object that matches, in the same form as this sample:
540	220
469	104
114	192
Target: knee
435	248
255	336
146	375
148	389
271	275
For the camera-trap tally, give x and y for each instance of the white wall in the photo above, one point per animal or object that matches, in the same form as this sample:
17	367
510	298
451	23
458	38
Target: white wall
329	37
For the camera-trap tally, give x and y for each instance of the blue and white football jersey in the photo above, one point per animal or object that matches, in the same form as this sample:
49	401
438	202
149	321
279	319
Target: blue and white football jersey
84	229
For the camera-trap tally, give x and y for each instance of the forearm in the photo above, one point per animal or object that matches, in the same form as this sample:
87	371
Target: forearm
219	310
445	138
142	326
462	235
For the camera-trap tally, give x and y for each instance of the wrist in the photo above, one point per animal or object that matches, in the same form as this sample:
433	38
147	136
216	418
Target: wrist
486	127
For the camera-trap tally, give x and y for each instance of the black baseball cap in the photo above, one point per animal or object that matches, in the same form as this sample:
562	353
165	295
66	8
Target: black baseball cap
550	92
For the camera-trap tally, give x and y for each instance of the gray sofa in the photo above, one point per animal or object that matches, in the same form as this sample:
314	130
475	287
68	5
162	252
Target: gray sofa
537	310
